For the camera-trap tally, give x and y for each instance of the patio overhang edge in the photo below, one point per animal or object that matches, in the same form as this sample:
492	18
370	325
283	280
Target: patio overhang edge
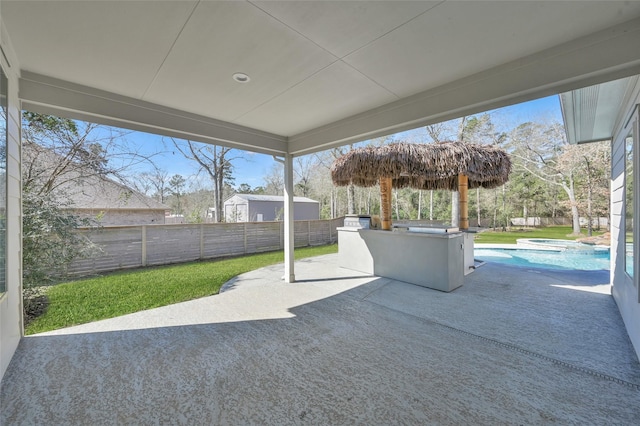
603	56
592	114
47	95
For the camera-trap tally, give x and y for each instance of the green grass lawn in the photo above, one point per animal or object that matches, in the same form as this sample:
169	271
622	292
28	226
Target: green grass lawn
125	292
510	237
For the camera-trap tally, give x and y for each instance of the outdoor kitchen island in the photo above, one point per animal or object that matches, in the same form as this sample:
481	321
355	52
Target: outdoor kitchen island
430	259
437	258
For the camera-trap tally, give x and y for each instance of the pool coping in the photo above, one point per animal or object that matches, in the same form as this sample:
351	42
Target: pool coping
512	247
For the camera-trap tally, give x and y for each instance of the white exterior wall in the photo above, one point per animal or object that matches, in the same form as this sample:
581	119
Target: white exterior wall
270	210
306	211
237	209
11	301
625	292
274	210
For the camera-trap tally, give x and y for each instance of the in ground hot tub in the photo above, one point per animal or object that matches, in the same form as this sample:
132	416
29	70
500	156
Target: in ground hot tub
557	244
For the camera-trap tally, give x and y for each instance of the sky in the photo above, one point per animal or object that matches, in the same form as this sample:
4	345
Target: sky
250	167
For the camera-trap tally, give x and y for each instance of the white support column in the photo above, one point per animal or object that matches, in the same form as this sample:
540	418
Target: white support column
289	274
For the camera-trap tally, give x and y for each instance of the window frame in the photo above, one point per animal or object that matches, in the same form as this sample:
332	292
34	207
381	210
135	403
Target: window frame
4	115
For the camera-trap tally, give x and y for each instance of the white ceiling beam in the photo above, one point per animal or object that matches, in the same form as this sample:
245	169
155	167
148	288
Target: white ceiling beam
606	55
48	95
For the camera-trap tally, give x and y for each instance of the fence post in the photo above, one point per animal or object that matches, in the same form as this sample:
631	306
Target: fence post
201	241
244	230
331	222
122	247
334	225
144	245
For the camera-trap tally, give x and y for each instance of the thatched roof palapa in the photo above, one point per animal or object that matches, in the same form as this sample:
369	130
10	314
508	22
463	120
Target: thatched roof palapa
424	166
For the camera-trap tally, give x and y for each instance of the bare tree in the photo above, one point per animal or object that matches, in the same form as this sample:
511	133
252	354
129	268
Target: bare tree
542	150
216	162
594	192
303	169
58	151
176	188
437	131
326	161
153	182
57	155
274	180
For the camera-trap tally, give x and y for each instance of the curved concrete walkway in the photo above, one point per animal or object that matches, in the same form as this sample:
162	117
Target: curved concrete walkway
512	346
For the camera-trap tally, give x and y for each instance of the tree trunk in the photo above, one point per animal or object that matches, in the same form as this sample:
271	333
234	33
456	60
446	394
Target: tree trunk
351	195
333	204
504	208
495	208
431	205
385	203
575	216
419	204
218	196
395	193
589	198
478	205
463	196
455	209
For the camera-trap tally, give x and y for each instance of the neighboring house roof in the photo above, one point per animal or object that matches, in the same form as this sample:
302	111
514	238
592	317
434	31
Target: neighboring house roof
99	193
85	189
255	197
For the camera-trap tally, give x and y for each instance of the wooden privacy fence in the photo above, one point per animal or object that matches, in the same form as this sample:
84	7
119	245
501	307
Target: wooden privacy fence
147	245
487	222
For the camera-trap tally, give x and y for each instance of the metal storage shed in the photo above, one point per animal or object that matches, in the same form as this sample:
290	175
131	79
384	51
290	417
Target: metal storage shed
259	208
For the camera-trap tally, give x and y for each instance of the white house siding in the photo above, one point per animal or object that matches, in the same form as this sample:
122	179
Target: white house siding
11	301
625	292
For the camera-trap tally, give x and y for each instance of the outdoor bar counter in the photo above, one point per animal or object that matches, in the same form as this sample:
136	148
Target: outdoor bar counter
434	260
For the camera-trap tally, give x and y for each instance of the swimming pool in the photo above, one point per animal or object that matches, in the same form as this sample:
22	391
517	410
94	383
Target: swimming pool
539	243
593	260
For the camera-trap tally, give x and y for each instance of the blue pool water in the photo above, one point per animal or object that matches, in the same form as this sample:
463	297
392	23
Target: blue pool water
565	244
593	260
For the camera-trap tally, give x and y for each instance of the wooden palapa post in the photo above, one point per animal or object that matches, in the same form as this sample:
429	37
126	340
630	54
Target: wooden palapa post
385	202
463	188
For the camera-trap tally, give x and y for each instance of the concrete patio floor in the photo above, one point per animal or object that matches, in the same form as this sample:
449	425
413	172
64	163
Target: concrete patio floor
512	346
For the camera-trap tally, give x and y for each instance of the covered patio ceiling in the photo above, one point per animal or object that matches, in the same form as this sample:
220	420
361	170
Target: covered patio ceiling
591	114
322	74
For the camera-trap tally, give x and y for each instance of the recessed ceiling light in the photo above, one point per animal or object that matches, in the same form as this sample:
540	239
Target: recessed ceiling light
241	77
